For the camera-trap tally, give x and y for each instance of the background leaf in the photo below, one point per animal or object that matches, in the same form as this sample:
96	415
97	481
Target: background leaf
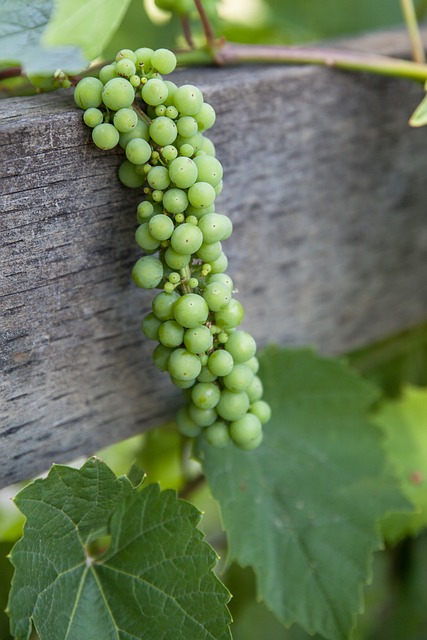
154	581
21	28
404	422
419	117
302	509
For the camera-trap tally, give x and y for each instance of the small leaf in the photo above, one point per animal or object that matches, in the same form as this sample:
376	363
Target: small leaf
404	422
21	29
302	510
89	24
154	581
419	117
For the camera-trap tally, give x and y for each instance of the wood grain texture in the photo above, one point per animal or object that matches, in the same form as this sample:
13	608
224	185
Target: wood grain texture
325	185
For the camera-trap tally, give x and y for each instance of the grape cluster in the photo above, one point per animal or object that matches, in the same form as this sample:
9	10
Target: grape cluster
194	316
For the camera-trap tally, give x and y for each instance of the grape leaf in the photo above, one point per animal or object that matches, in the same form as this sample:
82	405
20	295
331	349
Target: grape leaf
404	422
154	581
89	24
302	509
21	29
419	117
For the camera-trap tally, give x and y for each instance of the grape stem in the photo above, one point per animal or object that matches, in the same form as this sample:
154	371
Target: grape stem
410	17
185	274
141	113
230	53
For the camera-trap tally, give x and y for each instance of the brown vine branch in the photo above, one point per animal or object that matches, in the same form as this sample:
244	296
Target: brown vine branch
207	27
186	30
10	72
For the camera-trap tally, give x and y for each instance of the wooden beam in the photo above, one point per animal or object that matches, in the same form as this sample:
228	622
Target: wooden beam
325	185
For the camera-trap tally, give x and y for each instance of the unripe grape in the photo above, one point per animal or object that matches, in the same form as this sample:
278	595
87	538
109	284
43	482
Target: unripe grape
171	86
205	395
161	226
239	379
161	355
125	120
205	375
163	304
164	61
118	93
138	151
213	226
220	363
171	333
201	194
147	272
202	417
144	211
140	131
217	295
198	339
217	434
144	238
186	150
126	54
246	431
253	364
187	126
188	99
224	278
183	172
208	170
176	260
231	316
186	425
220	264
175	200
241	345
129	176
93	116
184	365
125	67
154	92
107	73
261	410
105	136
232	405
182	384
191	310
206	117
143	56
163	131
88	93
255	390
158	178
186	238
150	326
209	252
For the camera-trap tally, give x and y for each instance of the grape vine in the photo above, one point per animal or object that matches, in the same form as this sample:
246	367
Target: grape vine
194	316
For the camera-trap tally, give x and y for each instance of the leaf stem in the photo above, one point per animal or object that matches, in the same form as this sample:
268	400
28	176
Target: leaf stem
231	53
411	20
185	274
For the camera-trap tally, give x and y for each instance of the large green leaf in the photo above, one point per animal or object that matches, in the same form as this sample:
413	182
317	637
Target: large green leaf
154	581
88	24
21	27
404	422
302	510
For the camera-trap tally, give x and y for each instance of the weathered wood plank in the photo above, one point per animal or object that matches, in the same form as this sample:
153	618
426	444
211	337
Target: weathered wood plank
325	185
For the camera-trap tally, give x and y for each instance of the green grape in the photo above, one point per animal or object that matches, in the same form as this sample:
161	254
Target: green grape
143	56
118	93
217	295
175	201
205	395
208	147
184	365
193	283
163	131
154	92
239	379
209	170
182	384
183	172
92	117
217	434
144	238
160	110
209	252
171	91
186	150
195	141
231	316
179	217
261	410
157	195
164	61
255	390
168	287
174	277
171	333
206	117
169	152
219	265
232	405
135	81
218	188
191	310
163	304
147	272
186	425
186	238
188	99
241	345
198	339
176	260
246	431
150	326
220	363
253	364
138	151
125	67
105	136
126	54
222	337
202	417
158	178
220	277
107	73
140	131
205	375
161	226
128	175
125	120
213	226
144	211
172	112
187	126
88	93
161	355
201	194
191	220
